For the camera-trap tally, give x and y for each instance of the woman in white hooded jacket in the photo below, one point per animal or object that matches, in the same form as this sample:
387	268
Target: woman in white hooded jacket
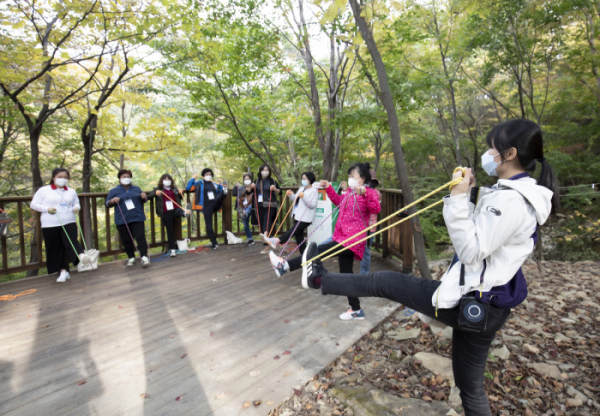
305	208
493	230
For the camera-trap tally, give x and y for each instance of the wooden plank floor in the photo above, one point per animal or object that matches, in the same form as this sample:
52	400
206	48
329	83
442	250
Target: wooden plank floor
197	334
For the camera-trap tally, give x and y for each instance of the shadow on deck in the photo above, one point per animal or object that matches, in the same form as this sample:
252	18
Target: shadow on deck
199	334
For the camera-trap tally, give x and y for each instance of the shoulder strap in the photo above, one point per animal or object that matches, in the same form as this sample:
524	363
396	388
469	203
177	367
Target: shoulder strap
462	275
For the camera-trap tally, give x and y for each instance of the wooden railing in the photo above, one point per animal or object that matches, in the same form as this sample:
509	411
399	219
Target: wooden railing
24	239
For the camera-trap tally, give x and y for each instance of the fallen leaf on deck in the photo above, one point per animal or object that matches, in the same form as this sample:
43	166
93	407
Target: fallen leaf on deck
246	405
286	374
179	398
145	396
276	357
254	373
212	333
257	402
120	307
183	356
28	316
285	321
46	326
220	396
172	336
287	353
82	382
325	324
214	280
298	392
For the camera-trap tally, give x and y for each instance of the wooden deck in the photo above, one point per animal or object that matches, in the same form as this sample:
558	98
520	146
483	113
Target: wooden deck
198	334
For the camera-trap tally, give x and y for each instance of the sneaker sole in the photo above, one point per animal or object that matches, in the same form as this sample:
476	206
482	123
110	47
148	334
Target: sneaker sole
266	241
304	274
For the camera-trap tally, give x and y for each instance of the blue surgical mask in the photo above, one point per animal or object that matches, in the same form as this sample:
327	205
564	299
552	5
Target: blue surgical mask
489	164
304	183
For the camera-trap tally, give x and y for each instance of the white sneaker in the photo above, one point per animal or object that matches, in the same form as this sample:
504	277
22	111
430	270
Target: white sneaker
63	277
173	253
279	265
351	315
268	241
131	262
68	275
145	261
84	258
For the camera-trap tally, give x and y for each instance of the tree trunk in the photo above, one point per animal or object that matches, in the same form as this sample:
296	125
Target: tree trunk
390	108
88	145
34	142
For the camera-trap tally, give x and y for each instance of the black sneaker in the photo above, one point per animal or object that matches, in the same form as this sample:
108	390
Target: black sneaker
310	253
314	274
214	247
250	243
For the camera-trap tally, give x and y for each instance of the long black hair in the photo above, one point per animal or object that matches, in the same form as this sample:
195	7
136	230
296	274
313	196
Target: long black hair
57	171
259	177
364	171
162	178
526	137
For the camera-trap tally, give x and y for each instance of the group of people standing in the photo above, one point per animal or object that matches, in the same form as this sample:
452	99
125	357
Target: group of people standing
492	229
60	205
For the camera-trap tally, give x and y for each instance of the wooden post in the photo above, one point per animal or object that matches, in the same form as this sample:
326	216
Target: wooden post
227	216
385	236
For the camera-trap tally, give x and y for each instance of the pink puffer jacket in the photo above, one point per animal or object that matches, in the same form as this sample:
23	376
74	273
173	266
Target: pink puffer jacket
354	217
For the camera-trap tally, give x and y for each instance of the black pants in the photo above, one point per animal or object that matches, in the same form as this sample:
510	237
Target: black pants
208	221
208	210
168	220
298	235
469	350
139	233
267	218
346	260
58	247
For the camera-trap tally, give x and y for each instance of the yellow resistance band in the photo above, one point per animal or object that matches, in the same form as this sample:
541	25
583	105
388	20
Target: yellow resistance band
450	184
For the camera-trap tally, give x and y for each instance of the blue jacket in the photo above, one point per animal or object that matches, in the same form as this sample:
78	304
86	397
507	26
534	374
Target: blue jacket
198	187
131	215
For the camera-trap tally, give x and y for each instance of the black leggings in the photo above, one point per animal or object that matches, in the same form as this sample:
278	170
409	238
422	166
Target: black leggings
168	220
298	235
139	233
346	260
57	245
469	350
267	218
208	210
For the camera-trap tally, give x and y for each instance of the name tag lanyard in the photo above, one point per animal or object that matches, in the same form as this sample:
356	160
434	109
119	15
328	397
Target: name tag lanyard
64	204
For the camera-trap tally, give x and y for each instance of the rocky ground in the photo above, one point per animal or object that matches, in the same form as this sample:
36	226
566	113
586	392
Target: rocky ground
545	360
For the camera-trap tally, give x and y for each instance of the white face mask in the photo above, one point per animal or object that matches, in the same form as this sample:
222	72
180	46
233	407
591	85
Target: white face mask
489	164
167	183
264	174
61	182
247	182
304	183
126	181
353	183
208	178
